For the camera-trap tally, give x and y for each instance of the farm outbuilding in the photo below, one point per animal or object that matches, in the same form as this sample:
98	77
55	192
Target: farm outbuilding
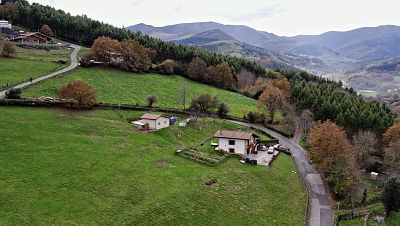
155	121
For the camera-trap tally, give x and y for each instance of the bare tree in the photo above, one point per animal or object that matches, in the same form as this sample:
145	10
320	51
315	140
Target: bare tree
365	146
306	122
245	79
392	157
151	100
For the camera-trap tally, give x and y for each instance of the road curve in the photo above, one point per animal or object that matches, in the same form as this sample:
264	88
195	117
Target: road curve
73	65
320	210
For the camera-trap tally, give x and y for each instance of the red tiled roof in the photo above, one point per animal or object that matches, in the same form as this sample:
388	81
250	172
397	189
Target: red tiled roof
150	116
233	134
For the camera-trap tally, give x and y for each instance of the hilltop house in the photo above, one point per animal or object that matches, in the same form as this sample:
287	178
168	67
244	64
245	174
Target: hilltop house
235	142
5	24
155	121
31	37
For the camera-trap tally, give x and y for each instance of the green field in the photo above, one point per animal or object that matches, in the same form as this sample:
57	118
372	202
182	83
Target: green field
30	63
64	167
129	88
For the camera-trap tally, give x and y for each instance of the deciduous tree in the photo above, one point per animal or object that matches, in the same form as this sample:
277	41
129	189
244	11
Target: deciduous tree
134	56
204	103
223	110
197	69
333	156
284	86
151	100
104	49
271	99
365	146
9	50
392	157
220	75
78	94
391	133
47	30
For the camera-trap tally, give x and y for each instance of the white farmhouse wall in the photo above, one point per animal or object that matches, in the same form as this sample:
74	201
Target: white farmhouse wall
240	146
5	24
158	124
162	122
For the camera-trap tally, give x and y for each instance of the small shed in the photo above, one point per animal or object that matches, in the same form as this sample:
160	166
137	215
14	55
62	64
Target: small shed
155	121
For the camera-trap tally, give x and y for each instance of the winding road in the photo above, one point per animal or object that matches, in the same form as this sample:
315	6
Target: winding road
73	65
320	211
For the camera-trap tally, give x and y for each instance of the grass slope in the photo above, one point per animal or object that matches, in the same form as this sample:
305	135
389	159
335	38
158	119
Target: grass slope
92	168
123	87
30	63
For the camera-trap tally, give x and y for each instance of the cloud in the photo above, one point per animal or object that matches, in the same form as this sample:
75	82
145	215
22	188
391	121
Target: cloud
267	11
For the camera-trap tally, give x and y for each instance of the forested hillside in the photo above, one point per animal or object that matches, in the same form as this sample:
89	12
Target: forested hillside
83	30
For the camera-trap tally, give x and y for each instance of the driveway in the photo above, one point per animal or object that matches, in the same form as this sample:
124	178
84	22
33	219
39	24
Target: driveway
321	213
73	65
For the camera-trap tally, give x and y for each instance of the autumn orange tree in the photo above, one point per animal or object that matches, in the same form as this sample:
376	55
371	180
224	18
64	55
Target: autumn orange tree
78	94
104	48
134	56
47	30
271	99
284	86
220	75
391	134
333	156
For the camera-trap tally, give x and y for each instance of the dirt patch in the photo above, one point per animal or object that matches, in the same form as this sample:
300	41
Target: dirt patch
162	162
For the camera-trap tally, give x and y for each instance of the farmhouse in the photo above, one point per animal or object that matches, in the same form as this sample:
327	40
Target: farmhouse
5	24
155	121
32	37
235	142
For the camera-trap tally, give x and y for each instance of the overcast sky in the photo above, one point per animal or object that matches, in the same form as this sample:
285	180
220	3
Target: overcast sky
283	17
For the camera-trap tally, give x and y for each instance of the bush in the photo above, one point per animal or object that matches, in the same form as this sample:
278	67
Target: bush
13	94
9	50
151	100
78	94
223	110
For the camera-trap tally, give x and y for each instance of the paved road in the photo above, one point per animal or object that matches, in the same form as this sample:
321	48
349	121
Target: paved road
73	65
320	210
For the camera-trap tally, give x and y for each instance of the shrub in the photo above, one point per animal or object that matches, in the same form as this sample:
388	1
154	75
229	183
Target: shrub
9	50
13	94
78	94
151	100
223	110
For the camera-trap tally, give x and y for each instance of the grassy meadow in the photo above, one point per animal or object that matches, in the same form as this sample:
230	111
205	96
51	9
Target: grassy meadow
31	63
64	167
122	87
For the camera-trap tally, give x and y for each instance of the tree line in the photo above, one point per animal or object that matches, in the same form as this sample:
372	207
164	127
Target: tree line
328	100
83	30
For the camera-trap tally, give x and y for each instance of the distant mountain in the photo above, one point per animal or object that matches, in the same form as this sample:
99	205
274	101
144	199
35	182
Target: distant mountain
339	55
206	38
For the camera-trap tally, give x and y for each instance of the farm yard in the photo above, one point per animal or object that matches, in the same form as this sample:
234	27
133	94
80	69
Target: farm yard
122	87
31	63
92	167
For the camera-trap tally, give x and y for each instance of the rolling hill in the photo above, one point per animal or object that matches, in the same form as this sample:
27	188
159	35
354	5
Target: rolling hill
338	55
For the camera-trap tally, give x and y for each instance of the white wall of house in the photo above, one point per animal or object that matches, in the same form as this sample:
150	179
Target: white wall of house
5	24
240	146
158	124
